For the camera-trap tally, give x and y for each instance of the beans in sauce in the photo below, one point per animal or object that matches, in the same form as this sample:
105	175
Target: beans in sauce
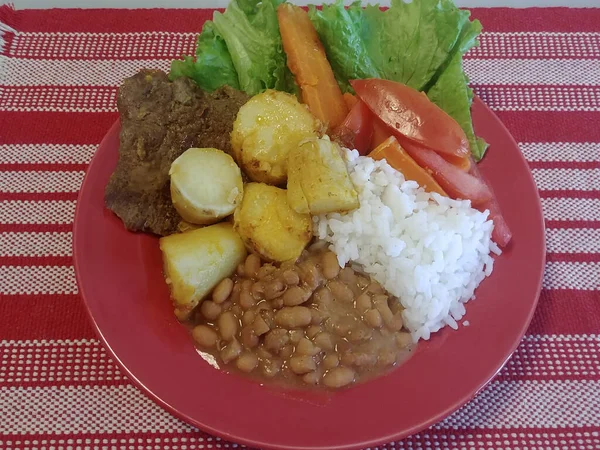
309	323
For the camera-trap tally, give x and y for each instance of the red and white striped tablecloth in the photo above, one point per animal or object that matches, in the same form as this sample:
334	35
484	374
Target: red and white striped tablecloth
538	69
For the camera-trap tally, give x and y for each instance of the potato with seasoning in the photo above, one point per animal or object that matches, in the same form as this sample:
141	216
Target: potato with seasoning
206	185
266	128
269	226
318	181
196	261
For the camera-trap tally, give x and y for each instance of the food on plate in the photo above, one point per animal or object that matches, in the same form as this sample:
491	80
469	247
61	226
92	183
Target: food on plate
356	131
307	61
269	226
396	156
318	180
267	127
196	261
159	121
303	323
206	185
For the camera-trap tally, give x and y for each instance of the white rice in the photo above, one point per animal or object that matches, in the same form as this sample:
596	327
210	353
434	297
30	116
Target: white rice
429	251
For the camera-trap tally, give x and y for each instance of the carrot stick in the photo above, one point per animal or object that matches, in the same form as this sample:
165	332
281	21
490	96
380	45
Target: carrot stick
394	154
350	100
307	60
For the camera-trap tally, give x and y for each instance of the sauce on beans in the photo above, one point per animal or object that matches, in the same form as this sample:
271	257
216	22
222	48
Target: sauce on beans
308	323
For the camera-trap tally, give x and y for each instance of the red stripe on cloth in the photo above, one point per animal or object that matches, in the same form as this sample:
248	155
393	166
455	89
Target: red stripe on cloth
566	311
563	193
573	257
35	227
45	167
538	19
36	261
562	164
594	225
48	316
38	196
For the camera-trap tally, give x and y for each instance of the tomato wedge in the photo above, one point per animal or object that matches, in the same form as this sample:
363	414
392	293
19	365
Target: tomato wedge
413	116
356	130
463	164
457	183
380	132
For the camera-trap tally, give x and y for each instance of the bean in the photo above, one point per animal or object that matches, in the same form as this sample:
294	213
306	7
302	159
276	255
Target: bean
306	347
210	310
360	334
265	270
391	321
403	339
228	325
267	314
240	271
274	289
374	288
362	282
312	331
271	367
222	291
323	296
263	353
258	290
260	326
338	377
330	361
317	317
252	265
341	292
348	276
325	341
331	267
247	301
236	310
373	318
296	296
249	337
277	303
387	357
296	336
395	323
276	339
231	351
205	336
247	362
311	378
302	364
287	351
363	303
309	274
343	325
293	316
248	317
290	277
235	293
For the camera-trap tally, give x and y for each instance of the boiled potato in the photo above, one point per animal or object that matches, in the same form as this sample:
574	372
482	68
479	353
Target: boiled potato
196	261
269	226
206	185
318	181
266	128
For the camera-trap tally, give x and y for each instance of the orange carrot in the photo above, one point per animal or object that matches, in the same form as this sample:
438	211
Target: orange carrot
396	156
307	60
350	100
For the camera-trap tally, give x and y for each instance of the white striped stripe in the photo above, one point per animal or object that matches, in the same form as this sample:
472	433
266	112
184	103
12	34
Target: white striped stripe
567	179
47	181
46	153
571	209
35	244
561	151
33	212
30	72
572	275
573	240
16	280
156	441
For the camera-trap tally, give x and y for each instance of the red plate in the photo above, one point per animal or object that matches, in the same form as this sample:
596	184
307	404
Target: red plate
120	279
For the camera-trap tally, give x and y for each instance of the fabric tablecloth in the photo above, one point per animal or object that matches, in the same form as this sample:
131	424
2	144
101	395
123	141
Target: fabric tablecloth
538	69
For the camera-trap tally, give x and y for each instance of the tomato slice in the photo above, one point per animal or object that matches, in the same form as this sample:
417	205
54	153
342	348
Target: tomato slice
412	115
381	132
463	164
356	130
457	183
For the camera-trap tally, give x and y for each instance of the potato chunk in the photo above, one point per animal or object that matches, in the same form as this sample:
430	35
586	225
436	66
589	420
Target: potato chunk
318	180
196	261
266	128
206	185
269	226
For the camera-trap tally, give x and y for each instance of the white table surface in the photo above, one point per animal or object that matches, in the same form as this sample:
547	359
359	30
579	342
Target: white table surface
20	4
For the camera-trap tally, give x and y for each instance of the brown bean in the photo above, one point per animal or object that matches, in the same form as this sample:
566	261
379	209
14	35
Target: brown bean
290	277
395	323
258	290
274	289
248	317
302	364
312	331
237	310
276	339
271	367
403	339
338	377
309	274
343	325
293	317
263	353
323	296
249	337
247	362
252	265
260	326
341	292
246	301
222	291
296	295
387	357
228	325
210	310
374	288
306	347
348	276
330	361
311	378
331	267
287	351
325	341
296	336
363	303
240	271
373	318
362	282
360	334
317	317
235	293
265	270
231	351
205	336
